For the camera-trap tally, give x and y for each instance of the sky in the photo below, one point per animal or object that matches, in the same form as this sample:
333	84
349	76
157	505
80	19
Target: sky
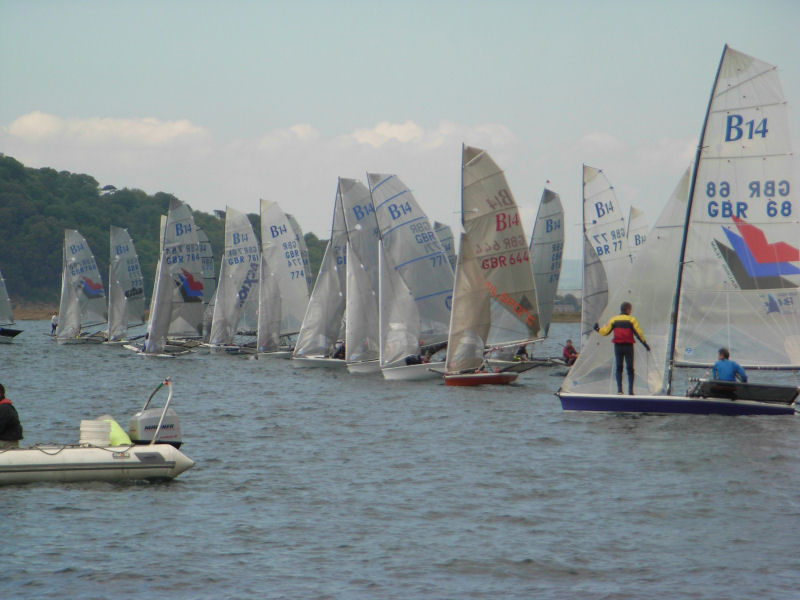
223	103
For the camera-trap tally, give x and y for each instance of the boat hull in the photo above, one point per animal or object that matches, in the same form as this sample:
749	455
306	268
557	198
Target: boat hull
7	335
318	362
92	463
670	405
482	378
364	367
420	372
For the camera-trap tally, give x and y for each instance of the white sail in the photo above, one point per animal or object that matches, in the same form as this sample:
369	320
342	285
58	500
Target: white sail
361	315
125	285
650	287
547	244
606	257
739	286
283	253
412	249
471	316
83	299
238	277
177	304
445	236
399	315
322	325
494	229
361	325
268	334
637	231
6	313
209	272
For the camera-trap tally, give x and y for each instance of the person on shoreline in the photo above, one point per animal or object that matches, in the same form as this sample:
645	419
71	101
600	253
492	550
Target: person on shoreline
625	327
10	427
726	369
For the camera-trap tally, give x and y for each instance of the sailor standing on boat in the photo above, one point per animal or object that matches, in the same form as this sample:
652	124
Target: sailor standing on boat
10	427
726	369
625	327
53	324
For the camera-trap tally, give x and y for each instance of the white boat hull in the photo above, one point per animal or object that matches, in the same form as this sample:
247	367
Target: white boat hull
420	372
92	463
364	367
318	362
285	354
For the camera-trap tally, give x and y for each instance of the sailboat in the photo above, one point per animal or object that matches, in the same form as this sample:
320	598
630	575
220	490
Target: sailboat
546	248
238	281
283	293
7	334
605	246
494	295
125	286
362	343
320	342
83	299
415	284
722	259
177	302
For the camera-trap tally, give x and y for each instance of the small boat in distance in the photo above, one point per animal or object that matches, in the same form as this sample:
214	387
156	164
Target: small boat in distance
7	334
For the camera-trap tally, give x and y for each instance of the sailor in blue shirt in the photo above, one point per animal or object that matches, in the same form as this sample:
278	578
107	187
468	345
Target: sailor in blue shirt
726	369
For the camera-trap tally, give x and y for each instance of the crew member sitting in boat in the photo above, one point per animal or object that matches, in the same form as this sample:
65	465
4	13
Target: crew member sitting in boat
570	354
10	427
522	353
726	369
339	351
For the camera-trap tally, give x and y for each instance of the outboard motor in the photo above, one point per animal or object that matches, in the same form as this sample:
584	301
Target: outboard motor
161	423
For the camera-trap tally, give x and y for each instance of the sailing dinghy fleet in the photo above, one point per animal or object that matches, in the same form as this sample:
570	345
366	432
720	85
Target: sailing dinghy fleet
395	296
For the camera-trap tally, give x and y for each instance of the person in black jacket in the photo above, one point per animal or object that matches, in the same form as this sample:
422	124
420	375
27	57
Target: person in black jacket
10	427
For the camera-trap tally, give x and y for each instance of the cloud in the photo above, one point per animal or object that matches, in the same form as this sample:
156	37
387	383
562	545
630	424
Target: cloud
144	131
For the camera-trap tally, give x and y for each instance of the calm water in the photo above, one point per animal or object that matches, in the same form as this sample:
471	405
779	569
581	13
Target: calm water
310	484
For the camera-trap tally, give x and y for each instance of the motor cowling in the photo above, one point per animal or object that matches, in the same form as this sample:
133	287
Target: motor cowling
142	427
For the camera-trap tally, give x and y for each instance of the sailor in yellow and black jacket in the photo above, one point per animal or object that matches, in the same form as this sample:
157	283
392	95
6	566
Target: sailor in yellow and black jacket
625	327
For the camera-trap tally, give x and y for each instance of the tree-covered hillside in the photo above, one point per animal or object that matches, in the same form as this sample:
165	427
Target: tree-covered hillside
37	205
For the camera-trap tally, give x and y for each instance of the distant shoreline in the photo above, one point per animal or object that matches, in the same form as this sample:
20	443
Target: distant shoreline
44	312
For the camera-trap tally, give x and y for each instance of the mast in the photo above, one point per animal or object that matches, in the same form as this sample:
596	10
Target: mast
681	257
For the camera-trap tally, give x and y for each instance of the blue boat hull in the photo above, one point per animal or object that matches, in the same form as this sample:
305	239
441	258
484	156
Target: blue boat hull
670	404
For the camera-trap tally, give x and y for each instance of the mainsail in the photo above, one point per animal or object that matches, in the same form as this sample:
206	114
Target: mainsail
6	314
286	269
125	285
414	263
493	227
83	299
177	304
301	245
741	274
547	244
322	325
238	278
605	254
